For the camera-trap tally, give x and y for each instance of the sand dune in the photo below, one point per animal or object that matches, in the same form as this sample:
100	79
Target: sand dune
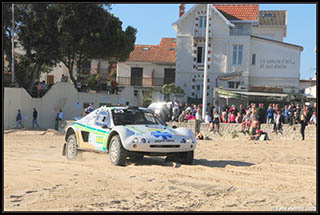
225	176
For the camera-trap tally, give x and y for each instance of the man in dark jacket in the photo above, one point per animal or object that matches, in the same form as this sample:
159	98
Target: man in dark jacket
35	116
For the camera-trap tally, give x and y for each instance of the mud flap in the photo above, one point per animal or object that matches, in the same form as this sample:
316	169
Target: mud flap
64	149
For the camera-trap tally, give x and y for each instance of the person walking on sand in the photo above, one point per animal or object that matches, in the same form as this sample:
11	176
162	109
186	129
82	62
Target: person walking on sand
19	120
56	125
34	119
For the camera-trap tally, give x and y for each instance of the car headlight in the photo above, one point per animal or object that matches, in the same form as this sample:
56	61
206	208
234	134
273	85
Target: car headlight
186	140
135	140
157	111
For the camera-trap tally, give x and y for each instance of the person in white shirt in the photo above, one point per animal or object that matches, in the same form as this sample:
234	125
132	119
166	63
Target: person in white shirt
313	119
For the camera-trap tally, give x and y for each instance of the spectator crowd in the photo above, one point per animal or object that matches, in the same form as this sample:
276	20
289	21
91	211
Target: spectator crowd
250	117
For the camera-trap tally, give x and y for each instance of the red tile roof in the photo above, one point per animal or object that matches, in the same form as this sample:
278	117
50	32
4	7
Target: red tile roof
239	11
164	52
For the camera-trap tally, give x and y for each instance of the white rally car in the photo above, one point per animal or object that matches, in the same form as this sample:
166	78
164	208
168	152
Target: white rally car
128	132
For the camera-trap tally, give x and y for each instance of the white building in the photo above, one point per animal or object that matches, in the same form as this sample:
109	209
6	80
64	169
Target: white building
245	50
149	67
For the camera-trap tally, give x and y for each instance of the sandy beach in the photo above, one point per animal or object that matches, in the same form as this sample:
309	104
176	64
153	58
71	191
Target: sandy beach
226	175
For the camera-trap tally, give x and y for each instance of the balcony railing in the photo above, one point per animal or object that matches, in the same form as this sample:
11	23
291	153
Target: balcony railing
144	82
237	32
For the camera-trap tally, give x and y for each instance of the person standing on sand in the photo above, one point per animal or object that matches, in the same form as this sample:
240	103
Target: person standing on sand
34	119
303	122
19	120
255	126
56	125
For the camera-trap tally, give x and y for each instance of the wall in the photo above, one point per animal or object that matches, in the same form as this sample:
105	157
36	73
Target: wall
226	130
270	32
57	72
265	74
61	96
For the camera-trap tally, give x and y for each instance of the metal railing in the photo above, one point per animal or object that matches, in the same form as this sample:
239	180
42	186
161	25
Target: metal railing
145	82
237	32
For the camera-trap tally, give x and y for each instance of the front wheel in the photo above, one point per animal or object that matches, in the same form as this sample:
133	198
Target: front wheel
118	154
186	157
71	147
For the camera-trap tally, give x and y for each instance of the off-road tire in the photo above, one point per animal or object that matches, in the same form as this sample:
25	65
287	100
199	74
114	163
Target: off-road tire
117	153
185	157
71	147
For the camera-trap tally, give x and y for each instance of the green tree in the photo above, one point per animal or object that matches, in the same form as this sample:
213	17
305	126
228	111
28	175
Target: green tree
68	33
89	31
37	35
169	89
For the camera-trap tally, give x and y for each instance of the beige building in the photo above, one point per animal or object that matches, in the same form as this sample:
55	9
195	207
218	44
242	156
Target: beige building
149	67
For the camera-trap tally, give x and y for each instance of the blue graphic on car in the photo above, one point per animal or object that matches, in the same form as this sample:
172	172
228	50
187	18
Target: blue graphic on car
165	135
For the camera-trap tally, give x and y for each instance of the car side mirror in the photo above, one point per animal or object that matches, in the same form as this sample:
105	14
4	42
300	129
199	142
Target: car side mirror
104	126
174	127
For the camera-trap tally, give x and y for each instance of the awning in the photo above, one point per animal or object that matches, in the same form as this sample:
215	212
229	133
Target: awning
229	76
222	93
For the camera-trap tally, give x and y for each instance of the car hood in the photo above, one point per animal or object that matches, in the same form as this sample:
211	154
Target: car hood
153	131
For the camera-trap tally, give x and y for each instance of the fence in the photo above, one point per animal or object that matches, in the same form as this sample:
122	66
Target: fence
135	81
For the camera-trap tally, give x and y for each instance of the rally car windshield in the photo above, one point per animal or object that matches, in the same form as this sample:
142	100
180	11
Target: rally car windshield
134	117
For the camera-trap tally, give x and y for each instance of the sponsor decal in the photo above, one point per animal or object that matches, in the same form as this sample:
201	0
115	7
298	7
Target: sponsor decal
161	141
165	135
99	139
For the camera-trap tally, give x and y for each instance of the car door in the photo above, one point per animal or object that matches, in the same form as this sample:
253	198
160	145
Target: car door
100	131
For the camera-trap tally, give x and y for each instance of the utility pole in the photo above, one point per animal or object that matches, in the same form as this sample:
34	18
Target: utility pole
12	41
205	75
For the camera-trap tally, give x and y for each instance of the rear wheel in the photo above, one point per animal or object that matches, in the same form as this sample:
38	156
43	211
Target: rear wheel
71	147
118	154
186	157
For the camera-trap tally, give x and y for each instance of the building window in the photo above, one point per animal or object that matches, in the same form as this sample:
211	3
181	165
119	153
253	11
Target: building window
200	55
192	94
233	84
253	59
169	76
136	76
230	84
192	86
267	15
237	55
198	87
203	21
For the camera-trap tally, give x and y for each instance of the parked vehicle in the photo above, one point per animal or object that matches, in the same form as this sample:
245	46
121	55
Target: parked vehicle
161	109
128	132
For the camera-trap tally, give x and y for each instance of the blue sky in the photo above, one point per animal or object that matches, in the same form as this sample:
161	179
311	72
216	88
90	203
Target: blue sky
154	21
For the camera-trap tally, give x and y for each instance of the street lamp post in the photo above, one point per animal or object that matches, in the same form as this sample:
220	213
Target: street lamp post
205	75
12	41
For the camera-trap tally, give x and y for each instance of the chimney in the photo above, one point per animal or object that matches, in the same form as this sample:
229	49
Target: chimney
181	10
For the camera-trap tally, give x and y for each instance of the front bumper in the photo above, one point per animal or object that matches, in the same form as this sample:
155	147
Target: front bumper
160	147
